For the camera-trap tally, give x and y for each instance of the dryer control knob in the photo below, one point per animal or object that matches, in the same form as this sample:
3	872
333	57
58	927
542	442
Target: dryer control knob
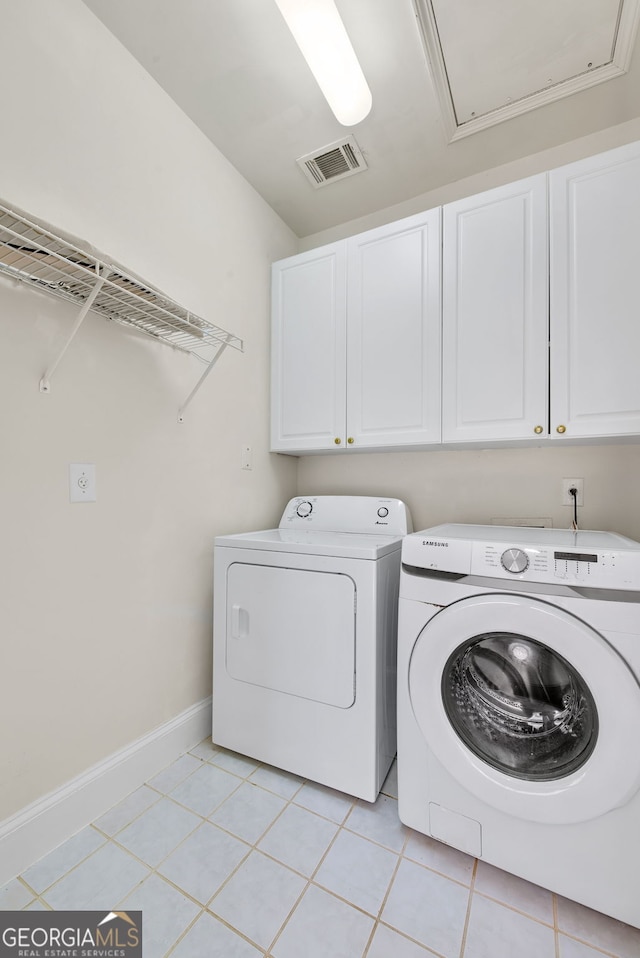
304	509
383	512
514	560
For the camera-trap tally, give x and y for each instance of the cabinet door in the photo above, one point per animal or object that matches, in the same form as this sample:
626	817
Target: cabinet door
495	314
393	334
595	295
308	350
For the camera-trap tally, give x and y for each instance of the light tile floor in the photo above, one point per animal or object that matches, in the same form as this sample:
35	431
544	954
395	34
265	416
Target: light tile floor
228	858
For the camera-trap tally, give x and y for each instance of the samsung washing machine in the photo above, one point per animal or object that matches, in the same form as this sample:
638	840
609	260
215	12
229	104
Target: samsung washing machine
305	631
519	704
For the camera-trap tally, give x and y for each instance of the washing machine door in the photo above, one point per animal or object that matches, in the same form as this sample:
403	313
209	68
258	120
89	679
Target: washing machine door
528	707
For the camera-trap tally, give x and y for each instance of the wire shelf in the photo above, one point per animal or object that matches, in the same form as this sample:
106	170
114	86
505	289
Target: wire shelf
37	256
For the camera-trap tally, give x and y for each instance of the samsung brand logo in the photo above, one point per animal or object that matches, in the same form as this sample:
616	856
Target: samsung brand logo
432	542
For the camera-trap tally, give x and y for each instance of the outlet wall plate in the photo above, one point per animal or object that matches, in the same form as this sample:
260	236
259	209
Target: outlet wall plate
82	482
567	498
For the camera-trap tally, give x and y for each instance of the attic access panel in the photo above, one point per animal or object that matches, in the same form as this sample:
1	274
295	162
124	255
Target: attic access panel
493	60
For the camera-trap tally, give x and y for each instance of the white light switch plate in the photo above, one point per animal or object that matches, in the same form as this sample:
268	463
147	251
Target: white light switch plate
82	482
246	458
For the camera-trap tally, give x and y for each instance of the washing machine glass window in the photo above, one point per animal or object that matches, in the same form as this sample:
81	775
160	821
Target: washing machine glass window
519	706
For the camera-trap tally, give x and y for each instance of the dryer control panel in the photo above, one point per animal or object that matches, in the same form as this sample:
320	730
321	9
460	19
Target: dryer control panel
602	560
352	514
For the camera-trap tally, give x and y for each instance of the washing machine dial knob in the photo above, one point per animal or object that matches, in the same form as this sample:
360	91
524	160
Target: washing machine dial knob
515	561
383	512
304	509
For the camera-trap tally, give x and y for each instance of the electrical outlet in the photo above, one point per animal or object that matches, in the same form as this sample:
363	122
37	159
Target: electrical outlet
567	498
82	482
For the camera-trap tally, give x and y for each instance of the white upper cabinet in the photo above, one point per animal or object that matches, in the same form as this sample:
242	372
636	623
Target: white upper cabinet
356	341
495	314
508	316
595	295
393	334
308	378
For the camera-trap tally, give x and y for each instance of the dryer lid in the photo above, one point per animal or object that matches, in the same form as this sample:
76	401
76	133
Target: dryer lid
301	541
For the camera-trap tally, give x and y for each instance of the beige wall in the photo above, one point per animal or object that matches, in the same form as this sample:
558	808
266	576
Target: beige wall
484	484
575	149
105	608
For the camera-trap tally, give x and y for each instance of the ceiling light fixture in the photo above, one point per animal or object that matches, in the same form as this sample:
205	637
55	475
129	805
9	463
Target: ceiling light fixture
320	33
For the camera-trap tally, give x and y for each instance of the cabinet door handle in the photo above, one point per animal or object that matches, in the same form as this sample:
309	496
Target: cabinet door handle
337	440
561	429
538	430
351	440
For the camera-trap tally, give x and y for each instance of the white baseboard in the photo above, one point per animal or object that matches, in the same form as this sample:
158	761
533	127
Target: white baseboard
49	821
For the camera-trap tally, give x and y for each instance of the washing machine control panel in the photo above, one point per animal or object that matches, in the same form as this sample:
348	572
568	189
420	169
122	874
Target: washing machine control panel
545	564
599	569
563	557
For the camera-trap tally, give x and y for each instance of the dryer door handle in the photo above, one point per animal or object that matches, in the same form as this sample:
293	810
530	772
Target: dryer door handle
239	622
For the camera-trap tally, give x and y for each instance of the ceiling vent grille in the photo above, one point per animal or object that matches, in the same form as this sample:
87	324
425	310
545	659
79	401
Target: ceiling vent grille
333	162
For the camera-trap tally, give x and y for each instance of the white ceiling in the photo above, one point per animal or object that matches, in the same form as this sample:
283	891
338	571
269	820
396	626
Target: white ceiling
487	94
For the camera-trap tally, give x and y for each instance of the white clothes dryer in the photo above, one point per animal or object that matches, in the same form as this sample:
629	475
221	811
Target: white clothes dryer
519	704
305	640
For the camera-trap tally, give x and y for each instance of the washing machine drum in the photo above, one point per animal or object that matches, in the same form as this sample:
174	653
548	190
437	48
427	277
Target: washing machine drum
519	706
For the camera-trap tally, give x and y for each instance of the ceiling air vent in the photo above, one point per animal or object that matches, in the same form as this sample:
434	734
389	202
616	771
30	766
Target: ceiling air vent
332	162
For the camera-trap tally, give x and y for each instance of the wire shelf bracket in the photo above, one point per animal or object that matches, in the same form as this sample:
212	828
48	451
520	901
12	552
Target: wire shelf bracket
70	269
212	362
45	385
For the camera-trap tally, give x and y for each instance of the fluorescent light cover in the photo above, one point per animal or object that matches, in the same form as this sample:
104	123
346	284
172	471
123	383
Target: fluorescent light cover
319	32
